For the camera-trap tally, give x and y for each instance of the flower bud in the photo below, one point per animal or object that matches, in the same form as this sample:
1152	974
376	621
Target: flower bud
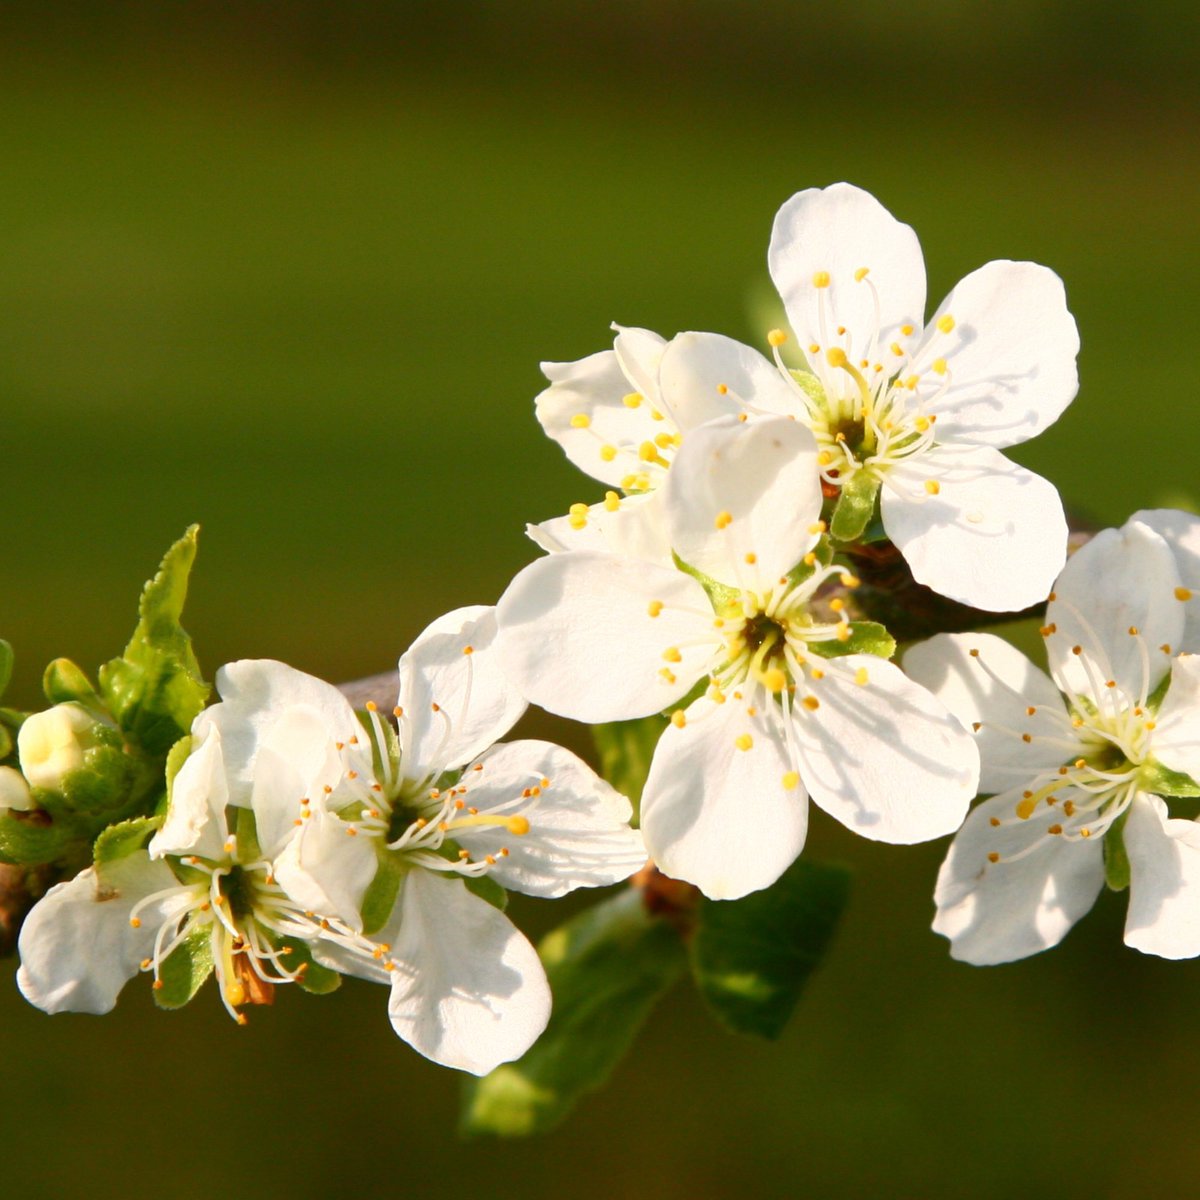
14	791
51	744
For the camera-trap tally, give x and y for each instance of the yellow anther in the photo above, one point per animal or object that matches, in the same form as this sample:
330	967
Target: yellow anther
906	330
1056	830
1151	726
668	676
743	741
655	415
678	718
648	452
1085	833
817	527
850	581
722	389
1026	808
843	632
578	510
811	702
1182	593
814	348
1069	808
896	348
577	522
922	424
911	382
836	356
993	857
716	695
810	559
775	679
654	607
776	338
861	274
671	654
235	992
939	366
1165	647
751	558
977	725
633	399
664	441
612	501
818	674
861	677
791	780
372	706
580	421
466	650
824	458
722	519
837	604
608	453
821	279
945	323
1133	631
135	922
932	486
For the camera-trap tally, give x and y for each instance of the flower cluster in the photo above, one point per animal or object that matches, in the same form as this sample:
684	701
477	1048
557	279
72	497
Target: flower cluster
729	585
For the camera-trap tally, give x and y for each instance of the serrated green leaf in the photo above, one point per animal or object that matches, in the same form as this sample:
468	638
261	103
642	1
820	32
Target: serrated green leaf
752	957
607	967
65	683
1117	871
855	507
6	664
314	978
1154	777
34	838
626	749
155	690
487	889
124	838
184	970
866	637
380	896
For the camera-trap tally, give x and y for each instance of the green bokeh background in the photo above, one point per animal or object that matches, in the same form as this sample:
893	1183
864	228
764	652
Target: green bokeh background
288	270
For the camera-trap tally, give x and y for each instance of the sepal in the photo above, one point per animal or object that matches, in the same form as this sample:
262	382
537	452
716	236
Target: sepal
866	637
855	507
183	972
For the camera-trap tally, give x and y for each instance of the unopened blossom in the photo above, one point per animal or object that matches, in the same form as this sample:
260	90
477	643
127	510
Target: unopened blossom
782	713
392	828
1081	766
198	888
912	411
52	744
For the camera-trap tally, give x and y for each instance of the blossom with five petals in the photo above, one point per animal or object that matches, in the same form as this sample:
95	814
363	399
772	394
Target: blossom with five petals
1081	766
786	713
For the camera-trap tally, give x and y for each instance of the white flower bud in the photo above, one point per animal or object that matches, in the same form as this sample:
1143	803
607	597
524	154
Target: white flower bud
51	744
14	791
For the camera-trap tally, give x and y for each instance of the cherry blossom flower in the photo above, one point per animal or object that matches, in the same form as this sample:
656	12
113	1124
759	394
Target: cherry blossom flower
1081	765
772	700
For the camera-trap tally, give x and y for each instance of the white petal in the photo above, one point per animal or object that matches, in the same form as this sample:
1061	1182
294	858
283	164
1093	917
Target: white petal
1176	741
454	666
1011	355
742	499
994	536
697	366
595	387
719	816
1181	531
577	636
253	694
78	949
578	835
639	352
983	680
839	230
1002	911
635	527
195	821
327	869
1122	579
469	990
885	758
1164	887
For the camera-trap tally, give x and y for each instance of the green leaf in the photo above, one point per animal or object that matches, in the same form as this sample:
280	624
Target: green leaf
855	507
866	637
103	785
1154	777
381	893
721	596
752	957
314	978
6	664
155	690
246	832
124	838
487	889
606	967
625	749
184	970
1117	871
65	683
35	838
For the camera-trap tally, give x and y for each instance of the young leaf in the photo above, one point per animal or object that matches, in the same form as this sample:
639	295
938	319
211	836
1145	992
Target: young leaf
155	690
124	838
184	970
625	749
65	683
855	507
606	967
752	957
34	837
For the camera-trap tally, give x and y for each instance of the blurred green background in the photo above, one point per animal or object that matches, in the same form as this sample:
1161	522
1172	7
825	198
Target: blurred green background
288	270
